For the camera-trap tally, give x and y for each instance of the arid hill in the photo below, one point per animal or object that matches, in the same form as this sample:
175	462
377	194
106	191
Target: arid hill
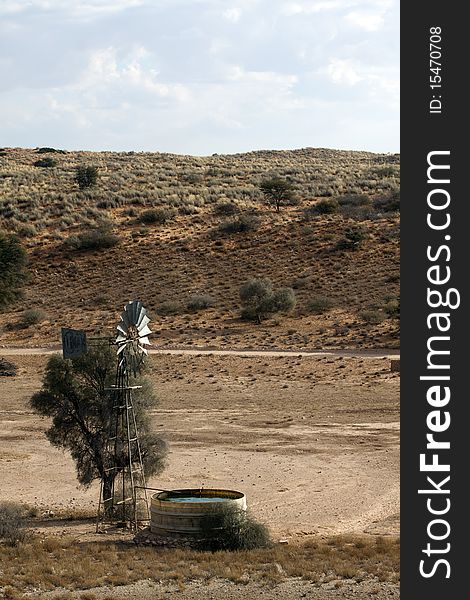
182	233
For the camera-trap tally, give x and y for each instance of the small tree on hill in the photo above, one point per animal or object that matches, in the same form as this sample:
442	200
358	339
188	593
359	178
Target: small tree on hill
259	299
277	191
86	176
13	274
74	396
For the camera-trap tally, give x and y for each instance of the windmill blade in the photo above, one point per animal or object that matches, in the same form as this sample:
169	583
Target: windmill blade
144	331
145	351
122	329
125	318
144	340
134	309
143	319
122	346
120	339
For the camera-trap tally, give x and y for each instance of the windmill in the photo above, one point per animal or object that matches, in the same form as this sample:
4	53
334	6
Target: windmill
123	497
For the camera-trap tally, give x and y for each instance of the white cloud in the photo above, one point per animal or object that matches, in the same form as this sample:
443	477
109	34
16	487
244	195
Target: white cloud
237	73
343	71
368	21
232	14
105	71
198	75
310	8
74	8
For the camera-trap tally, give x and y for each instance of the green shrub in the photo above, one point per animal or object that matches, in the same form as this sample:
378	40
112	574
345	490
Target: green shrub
46	149
32	316
230	528
388	202
12	523
353	200
200	302
320	304
7	368
26	230
93	239
45	162
326	207
86	176
226	208
392	308
353	238
108	203
242	224
13	274
372	316
259	299
156	215
169	307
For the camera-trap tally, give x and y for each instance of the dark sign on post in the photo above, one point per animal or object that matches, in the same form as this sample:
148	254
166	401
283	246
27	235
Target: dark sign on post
73	343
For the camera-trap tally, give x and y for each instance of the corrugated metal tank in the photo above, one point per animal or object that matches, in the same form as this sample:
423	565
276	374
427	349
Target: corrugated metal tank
180	512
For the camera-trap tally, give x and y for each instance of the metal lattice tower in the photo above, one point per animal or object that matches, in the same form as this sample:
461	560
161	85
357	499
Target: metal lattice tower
123	497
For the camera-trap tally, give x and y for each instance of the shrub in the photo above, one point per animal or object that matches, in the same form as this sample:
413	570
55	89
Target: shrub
109	203
226	208
230	528
13	274
32	316
388	202
392	308
243	224
372	317
353	200
93	239
26	230
7	368
86	176
200	302
353	238
169	307
12	523
326	207
323	207
46	149
156	215
259	299
45	162
320	304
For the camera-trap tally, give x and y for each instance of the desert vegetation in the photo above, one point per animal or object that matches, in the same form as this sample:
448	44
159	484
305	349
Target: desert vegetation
55	563
166	228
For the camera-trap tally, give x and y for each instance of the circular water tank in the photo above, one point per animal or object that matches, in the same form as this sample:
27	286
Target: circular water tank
180	512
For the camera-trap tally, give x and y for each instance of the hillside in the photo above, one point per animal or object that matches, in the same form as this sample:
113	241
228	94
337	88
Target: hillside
170	217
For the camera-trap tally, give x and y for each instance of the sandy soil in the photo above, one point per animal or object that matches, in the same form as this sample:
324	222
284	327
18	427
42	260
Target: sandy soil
312	440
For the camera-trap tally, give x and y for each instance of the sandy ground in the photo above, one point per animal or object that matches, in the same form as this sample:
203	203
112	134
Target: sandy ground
312	440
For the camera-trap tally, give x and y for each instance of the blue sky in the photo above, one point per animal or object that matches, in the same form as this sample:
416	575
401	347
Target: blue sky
200	76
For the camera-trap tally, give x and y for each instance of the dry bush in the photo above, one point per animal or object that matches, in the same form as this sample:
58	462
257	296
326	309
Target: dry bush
7	368
12	523
231	528
200	302
94	239
319	305
62	562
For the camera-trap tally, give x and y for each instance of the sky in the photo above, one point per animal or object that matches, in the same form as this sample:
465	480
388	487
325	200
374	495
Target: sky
199	76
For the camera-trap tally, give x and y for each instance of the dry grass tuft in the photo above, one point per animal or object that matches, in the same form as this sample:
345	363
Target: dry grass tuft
51	563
